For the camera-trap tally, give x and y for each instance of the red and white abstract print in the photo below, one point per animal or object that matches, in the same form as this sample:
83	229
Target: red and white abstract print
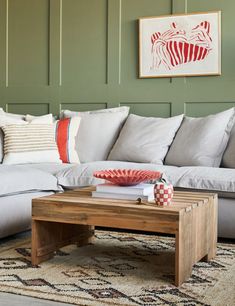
176	47
180	45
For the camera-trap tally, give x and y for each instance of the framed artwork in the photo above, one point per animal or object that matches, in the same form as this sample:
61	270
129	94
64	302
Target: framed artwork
180	45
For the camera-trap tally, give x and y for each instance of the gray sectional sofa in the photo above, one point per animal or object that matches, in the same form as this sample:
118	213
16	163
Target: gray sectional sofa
35	180
21	183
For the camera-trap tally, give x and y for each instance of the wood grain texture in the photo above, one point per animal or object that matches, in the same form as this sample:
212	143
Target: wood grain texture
70	217
184	248
47	237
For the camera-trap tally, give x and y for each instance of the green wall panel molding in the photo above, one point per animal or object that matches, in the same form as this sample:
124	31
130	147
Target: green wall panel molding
28	108
83	55
84	41
27	31
83	106
199	109
148	109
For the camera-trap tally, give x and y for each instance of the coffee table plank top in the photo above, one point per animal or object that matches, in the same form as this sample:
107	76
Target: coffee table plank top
181	201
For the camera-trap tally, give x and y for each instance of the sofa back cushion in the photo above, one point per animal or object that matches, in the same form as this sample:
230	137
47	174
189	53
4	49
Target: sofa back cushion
228	160
201	141
98	132
145	140
68	114
97	135
11	115
30	143
47	119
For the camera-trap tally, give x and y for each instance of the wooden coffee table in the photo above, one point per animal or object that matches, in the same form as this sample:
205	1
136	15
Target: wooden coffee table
71	217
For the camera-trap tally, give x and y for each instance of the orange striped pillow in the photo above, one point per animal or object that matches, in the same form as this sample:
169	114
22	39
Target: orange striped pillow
66	132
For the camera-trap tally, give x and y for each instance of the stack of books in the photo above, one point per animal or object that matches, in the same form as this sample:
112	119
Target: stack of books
110	191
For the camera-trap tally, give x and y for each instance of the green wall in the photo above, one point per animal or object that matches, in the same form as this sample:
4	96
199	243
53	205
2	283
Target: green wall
83	54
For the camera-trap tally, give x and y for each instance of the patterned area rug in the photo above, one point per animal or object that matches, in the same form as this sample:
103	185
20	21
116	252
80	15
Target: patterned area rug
118	269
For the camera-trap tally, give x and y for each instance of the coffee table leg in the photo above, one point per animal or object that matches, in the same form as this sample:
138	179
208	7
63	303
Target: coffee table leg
212	232
88	236
184	249
47	237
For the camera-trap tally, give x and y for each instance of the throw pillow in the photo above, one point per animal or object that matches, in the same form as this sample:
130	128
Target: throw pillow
48	119
3	121
228	160
1	145
69	114
66	132
30	143
98	132
201	141
145	140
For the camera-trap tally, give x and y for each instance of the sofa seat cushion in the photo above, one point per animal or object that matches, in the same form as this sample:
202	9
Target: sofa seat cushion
220	180
207	178
22	178
51	168
82	175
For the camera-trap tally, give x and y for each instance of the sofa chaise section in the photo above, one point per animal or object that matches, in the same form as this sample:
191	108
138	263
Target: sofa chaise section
19	185
15	214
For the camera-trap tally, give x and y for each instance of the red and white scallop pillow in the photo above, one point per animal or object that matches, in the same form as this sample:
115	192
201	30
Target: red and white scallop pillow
66	131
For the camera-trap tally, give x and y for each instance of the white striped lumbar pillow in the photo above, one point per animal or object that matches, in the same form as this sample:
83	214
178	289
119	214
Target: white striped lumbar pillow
30	143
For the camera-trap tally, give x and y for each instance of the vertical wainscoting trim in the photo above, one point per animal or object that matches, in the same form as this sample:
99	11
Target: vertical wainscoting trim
114	42
120	43
7	44
48	41
186	6
172	10
107	42
60	51
55	55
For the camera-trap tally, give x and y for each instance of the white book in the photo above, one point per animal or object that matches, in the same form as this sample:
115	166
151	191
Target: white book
140	189
108	195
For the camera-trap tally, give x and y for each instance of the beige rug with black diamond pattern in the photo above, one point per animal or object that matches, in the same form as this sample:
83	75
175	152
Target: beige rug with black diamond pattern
118	269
